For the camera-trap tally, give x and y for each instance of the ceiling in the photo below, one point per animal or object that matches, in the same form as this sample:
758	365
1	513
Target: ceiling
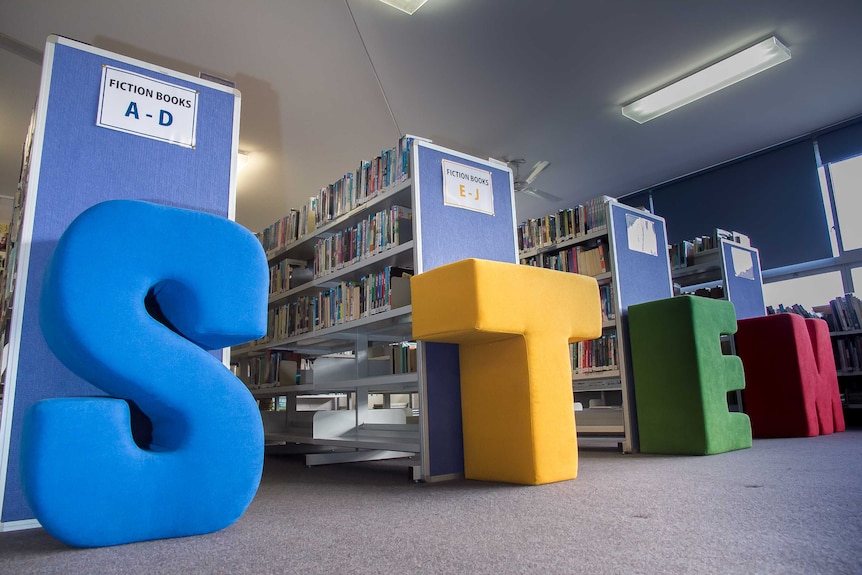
538	80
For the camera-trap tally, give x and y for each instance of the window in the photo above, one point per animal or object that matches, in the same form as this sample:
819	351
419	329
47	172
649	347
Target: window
827	206
822	281
847	189
856	274
806	291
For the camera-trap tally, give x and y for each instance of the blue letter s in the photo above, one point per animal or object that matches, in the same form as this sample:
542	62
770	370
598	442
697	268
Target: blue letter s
99	473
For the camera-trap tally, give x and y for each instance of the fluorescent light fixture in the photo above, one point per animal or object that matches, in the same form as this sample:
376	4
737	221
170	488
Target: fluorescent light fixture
732	69
242	159
409	6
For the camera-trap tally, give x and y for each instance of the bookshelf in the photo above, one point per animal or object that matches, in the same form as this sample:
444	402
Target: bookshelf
10	239
340	309
844	316
722	266
847	346
623	248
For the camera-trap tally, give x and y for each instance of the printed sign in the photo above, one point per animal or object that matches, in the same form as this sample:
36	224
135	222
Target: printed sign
742	262
641	235
144	106
467	187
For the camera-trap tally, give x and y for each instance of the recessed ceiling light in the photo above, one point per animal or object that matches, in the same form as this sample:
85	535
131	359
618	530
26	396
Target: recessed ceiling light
409	6
739	66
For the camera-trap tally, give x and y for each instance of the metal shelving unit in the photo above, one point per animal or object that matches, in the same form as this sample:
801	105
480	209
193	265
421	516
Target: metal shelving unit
441	233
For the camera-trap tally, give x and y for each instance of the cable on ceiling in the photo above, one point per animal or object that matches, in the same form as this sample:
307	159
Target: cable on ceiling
373	69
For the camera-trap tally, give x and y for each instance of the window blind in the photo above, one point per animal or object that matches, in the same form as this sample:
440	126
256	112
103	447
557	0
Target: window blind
773	197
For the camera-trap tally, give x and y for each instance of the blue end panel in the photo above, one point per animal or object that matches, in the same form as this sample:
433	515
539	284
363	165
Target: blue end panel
81	165
96	474
445	433
743	282
642	277
451	234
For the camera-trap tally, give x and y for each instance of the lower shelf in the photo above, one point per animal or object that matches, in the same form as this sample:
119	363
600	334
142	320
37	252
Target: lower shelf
368	436
601	429
600	420
382	429
398	381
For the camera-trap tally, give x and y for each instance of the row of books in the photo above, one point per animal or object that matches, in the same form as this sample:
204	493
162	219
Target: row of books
684	253
285	275
372	177
375	234
391	167
590	261
844	313
8	279
595	355
714	292
798	309
290	228
344	302
848	353
273	367
564	225
253	373
606	297
403	357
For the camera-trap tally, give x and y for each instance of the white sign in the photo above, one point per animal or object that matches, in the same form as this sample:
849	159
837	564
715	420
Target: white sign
467	187
147	107
743	263
641	235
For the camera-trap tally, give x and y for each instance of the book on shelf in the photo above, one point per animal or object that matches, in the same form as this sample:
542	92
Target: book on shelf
287	372
855	305
308	217
606	297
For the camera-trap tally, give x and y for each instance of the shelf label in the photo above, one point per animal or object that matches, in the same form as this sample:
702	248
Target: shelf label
641	235
742	262
467	187
143	106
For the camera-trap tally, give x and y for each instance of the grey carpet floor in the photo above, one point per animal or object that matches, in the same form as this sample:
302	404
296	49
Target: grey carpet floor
785	506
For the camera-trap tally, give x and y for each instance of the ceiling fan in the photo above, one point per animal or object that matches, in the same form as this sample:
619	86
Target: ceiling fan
525	186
